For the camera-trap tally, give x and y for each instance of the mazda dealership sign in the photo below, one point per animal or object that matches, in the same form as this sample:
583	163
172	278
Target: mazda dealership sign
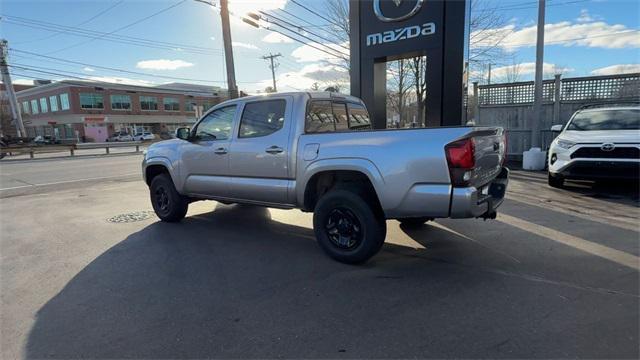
387	30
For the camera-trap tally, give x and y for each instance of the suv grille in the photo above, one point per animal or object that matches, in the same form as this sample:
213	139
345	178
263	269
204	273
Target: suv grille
617	153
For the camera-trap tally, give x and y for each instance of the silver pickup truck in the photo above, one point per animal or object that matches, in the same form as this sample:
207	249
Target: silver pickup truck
318	152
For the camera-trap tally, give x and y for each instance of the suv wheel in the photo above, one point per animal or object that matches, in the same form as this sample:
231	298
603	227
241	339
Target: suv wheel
556	181
414	222
347	227
167	203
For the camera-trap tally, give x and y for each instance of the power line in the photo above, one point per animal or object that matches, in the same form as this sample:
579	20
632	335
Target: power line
314	12
82	23
336	52
122	27
129	40
300	27
93	81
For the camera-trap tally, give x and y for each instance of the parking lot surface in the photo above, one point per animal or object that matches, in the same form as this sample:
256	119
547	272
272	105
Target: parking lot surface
556	275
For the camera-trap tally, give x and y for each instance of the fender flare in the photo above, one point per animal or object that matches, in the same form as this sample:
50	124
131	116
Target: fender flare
361	165
163	161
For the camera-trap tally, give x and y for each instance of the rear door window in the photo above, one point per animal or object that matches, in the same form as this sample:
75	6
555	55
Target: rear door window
320	117
358	117
262	118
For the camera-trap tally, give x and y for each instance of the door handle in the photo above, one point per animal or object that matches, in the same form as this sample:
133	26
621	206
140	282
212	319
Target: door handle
220	151
274	150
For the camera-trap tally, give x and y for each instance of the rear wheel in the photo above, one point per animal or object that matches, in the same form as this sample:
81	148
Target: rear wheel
167	203
415	221
556	181
347	226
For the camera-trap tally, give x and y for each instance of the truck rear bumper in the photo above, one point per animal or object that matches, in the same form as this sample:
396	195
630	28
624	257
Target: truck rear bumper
472	202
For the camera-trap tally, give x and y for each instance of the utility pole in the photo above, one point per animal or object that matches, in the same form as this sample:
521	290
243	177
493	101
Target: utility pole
489	78
537	95
228	50
16	116
273	68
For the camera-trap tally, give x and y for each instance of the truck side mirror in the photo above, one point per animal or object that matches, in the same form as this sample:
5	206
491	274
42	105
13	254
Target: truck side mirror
183	133
556	128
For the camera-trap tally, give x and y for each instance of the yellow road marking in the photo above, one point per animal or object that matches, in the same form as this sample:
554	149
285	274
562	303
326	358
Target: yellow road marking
587	246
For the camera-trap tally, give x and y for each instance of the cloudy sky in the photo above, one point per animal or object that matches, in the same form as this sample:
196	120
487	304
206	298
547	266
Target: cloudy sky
158	41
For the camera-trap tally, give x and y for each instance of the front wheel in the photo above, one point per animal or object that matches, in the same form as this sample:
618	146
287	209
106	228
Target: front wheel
555	181
347	227
167	203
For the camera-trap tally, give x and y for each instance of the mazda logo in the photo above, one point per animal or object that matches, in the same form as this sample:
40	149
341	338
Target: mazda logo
608	147
378	11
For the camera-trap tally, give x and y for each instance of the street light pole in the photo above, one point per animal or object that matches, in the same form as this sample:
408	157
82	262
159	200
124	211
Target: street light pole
16	116
537	95
228	50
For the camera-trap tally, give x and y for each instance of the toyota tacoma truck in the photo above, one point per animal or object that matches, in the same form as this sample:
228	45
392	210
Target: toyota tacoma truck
318	152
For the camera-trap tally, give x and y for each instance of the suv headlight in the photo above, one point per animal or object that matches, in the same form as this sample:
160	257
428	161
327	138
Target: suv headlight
565	144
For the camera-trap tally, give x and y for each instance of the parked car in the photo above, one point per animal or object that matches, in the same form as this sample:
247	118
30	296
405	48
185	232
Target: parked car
45	140
318	152
120	136
596	144
141	136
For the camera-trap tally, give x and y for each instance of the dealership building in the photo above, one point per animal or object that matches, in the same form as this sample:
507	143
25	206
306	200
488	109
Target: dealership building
92	111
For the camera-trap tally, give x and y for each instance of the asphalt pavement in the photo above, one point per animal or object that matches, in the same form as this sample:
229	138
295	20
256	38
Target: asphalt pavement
88	272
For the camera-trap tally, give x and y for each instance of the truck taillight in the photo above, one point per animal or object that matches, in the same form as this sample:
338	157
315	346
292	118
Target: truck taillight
461	159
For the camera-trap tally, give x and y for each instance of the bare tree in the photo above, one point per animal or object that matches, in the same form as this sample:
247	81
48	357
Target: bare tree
399	86
338	28
487	32
418	72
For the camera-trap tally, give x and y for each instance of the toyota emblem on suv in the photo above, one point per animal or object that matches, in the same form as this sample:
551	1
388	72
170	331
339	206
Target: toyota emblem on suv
378	11
608	147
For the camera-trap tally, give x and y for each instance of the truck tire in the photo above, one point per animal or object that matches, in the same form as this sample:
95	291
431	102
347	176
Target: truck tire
347	226
415	221
555	181
167	203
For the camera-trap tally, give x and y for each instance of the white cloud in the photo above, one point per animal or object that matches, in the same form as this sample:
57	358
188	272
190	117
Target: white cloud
304	78
163	64
87	69
275	38
585	16
617	69
22	82
122	80
307	52
591	34
244	45
241	7
529	68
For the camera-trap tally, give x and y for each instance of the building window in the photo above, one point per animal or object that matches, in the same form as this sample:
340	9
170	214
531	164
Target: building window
190	106
43	105
34	107
148	103
64	101
68	131
25	107
53	102
91	101
120	102
171	104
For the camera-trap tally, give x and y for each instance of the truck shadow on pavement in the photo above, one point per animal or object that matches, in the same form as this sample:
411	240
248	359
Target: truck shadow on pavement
234	283
229	283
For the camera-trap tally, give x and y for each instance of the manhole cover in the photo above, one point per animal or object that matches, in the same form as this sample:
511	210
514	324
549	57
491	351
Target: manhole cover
131	217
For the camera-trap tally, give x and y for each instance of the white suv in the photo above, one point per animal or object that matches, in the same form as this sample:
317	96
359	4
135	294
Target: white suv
597	144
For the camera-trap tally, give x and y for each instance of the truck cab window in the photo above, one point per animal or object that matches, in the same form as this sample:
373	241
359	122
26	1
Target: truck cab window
340	115
262	118
216	125
358	117
320	117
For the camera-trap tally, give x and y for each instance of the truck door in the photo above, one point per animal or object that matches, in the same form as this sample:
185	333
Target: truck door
205	159
260	157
